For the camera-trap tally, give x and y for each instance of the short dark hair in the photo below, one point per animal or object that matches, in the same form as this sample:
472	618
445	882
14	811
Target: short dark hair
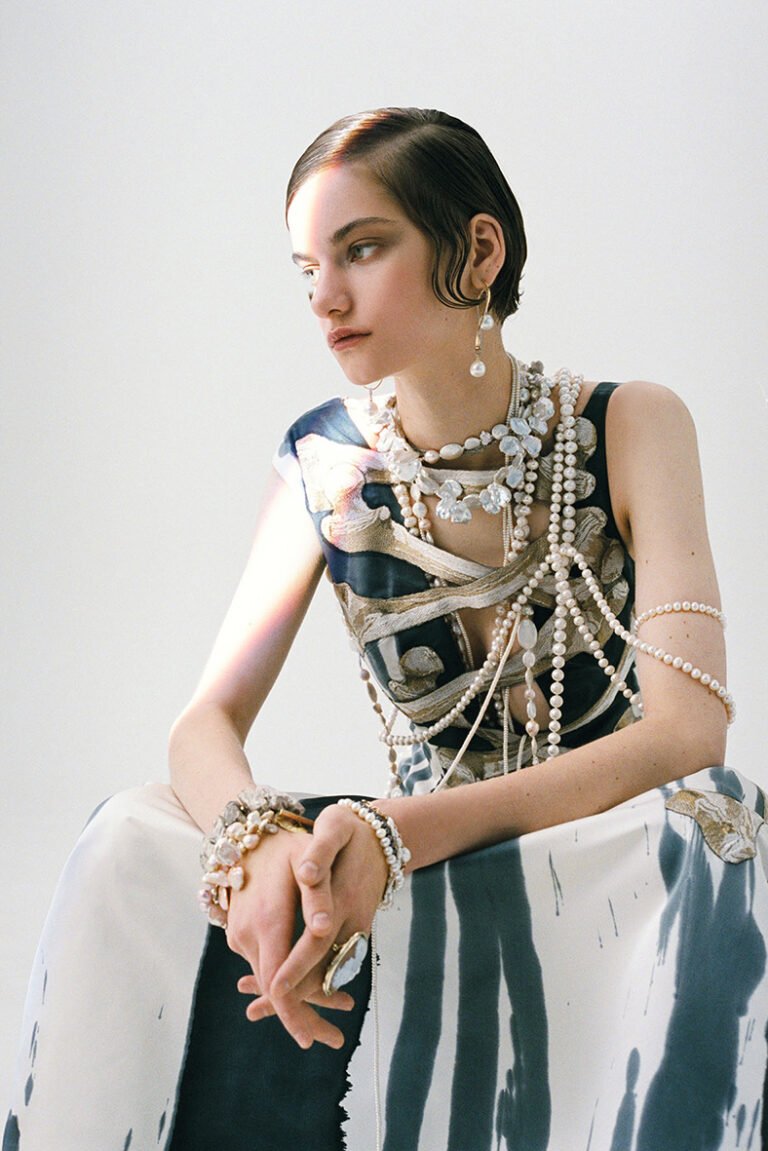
442	173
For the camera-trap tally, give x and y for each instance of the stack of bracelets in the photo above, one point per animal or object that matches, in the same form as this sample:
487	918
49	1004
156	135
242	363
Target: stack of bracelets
260	811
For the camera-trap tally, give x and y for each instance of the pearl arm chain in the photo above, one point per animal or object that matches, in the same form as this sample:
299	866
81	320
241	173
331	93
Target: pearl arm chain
658	653
678	606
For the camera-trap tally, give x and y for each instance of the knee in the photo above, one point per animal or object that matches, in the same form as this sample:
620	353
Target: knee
141	829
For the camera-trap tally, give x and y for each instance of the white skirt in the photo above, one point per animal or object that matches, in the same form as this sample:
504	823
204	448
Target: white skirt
598	985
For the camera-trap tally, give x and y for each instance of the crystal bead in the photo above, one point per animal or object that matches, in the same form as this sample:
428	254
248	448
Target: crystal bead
514	477
460	513
498	431
406	466
428	484
532	445
510	445
228	853
527	633
451	488
485	438
519	426
494	498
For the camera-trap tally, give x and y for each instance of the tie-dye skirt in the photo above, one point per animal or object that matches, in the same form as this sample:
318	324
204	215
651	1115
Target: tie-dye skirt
596	986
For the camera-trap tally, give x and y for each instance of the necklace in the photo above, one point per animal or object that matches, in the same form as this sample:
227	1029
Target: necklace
460	493
514	623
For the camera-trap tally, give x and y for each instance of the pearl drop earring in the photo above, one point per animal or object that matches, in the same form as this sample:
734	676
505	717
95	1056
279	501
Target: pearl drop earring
370	389
484	324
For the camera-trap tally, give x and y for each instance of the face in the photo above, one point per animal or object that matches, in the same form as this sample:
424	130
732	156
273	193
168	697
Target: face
368	270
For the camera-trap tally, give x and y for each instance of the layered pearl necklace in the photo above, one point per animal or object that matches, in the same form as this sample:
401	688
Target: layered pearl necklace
518	440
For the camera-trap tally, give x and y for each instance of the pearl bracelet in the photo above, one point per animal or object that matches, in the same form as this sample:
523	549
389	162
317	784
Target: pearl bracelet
679	606
257	811
396	854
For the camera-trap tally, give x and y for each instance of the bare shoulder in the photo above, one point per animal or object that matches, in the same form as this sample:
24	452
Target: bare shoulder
648	409
651	451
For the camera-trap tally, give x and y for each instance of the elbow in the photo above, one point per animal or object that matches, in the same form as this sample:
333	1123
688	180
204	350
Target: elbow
691	742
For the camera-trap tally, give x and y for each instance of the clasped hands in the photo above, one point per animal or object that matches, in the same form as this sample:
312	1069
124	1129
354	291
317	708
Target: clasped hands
336	876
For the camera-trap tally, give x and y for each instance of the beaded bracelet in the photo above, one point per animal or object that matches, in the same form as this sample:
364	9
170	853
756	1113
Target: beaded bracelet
679	606
396	854
257	811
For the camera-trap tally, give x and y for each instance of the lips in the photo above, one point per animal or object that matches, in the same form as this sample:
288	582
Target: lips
340	338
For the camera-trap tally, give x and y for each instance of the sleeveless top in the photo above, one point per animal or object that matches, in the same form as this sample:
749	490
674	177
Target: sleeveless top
397	592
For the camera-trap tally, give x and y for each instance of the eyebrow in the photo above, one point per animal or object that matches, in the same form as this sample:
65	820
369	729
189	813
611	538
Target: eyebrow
342	232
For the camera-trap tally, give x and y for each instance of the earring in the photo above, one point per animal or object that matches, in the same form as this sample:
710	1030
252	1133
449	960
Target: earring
484	324
370	389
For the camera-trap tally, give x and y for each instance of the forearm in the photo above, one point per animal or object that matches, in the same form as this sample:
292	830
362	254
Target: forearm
207	763
578	783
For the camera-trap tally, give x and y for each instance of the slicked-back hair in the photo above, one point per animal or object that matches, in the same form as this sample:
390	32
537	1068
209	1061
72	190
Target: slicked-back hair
442	173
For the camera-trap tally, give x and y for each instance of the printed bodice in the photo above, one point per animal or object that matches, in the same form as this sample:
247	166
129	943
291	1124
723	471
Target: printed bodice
398	592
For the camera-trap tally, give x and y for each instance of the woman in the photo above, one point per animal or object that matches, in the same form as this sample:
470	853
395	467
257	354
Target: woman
549	976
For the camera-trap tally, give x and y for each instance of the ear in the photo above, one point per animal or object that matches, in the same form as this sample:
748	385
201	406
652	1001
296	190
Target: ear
486	254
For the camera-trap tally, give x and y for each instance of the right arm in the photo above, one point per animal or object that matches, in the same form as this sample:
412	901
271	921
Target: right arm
208	766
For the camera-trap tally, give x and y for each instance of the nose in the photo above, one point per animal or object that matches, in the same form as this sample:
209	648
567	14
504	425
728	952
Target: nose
329	293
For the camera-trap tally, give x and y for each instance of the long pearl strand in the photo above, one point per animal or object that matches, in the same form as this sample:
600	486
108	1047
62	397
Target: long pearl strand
416	519
514	623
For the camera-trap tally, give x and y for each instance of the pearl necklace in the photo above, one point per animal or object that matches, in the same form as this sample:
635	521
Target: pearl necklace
518	439
513	622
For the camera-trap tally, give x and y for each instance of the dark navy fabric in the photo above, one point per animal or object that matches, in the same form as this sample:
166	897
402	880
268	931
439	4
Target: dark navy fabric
252	1078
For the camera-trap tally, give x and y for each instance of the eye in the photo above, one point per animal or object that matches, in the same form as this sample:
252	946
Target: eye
362	250
309	278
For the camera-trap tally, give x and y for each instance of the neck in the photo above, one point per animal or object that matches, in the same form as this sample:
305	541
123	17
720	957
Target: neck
449	406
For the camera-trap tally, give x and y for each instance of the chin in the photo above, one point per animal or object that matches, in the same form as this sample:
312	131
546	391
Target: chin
361	378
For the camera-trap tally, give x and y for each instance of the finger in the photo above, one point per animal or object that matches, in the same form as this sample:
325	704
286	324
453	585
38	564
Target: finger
304	1025
259	1009
308	953
275	934
332	833
249	985
262	1007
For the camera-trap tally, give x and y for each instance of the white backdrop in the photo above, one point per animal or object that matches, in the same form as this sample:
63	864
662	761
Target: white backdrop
156	341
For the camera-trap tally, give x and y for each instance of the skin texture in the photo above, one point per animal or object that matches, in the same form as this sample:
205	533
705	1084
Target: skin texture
368	268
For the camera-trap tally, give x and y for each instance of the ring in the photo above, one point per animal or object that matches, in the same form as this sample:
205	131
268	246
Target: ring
346	962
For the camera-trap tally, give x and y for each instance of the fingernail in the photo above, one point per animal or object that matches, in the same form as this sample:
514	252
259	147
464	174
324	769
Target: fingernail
304	1040
308	871
321	919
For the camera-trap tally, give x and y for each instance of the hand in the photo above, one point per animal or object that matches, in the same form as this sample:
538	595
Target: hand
340	874
261	926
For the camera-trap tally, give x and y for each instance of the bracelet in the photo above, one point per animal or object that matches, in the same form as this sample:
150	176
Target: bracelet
257	811
396	854
679	606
